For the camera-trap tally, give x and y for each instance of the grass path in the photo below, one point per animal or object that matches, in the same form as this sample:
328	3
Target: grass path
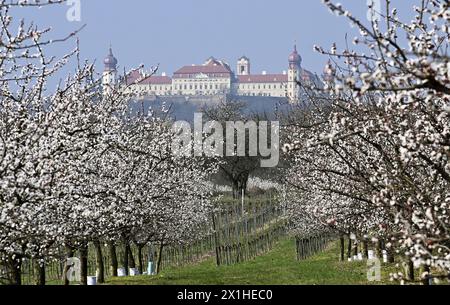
278	267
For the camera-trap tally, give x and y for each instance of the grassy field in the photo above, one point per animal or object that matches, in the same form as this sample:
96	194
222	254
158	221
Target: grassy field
279	267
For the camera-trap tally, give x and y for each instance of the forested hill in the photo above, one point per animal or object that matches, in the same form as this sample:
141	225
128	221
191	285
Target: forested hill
182	108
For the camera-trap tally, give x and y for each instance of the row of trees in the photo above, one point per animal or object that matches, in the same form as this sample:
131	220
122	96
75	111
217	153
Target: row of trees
370	153
76	167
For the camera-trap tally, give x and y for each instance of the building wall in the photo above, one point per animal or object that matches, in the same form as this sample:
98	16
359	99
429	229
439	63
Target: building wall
108	80
153	89
200	86
194	87
261	89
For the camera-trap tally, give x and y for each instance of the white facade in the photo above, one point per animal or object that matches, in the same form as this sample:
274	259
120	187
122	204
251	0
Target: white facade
201	85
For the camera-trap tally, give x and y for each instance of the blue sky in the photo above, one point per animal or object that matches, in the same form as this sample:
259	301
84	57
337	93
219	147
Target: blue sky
174	33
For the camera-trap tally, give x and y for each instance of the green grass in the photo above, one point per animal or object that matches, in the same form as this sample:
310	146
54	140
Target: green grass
278	267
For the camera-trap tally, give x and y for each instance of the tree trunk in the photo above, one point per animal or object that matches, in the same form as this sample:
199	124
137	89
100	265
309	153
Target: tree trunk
69	254
365	248
349	247
15	265
151	258
131	260
390	256
40	268
100	264
239	185
426	278
158	266
125	256
140	259
113	256
237	193
342	240
380	249
411	276
83	250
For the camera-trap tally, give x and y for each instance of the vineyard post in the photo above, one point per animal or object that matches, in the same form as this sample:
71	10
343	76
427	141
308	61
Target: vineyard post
216	240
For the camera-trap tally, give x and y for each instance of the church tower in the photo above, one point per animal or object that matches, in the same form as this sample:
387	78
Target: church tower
243	66
110	72
295	63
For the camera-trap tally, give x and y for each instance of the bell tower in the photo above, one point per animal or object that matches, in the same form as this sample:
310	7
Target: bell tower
110	72
243	66
295	63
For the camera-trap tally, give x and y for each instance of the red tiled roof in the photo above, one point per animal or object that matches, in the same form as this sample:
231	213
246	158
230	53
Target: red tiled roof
203	69
157	80
268	78
135	76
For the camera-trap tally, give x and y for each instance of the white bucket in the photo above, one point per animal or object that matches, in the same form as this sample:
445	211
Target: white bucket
121	272
371	254
150	268
133	272
360	256
92	280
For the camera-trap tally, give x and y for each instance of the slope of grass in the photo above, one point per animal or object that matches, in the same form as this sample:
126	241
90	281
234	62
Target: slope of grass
278	267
